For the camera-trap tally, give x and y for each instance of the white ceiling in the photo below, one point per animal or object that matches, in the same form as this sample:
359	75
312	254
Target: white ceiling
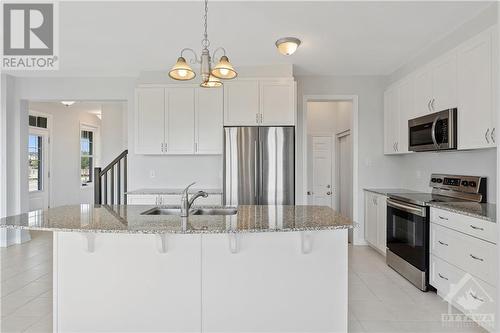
339	38
90	107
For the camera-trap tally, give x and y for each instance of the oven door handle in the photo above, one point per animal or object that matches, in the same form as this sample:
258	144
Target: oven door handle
412	209
433	132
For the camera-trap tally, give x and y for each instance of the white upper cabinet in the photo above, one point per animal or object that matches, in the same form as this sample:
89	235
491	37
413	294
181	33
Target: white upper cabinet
179	123
277	103
179	120
423	91
444	83
476	111
259	102
464	79
391	120
241	103
150	118
208	122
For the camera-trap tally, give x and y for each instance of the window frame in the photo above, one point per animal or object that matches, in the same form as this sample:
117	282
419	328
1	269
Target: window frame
93	156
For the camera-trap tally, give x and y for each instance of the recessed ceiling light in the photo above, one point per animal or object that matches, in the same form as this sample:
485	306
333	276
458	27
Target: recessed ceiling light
67	103
287	45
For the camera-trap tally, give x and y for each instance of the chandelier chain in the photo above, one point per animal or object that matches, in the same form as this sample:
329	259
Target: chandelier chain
205	42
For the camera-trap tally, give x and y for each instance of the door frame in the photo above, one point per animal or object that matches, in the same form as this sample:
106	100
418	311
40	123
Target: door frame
337	162
354	137
49	131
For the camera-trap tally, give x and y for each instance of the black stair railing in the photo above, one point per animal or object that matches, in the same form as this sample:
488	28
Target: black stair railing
114	192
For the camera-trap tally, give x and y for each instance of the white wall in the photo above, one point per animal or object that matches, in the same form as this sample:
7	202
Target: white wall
418	167
374	169
114	130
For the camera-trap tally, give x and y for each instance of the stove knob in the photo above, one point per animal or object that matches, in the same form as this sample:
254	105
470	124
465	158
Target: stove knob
433	180
439	180
465	183
472	184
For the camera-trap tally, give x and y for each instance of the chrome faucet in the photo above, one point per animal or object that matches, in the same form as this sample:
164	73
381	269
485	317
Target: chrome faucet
186	203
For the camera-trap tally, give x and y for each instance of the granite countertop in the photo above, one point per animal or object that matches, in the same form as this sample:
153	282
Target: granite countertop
128	219
172	191
485	211
387	191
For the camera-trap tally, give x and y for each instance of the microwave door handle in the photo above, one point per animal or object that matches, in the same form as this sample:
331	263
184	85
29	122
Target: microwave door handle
433	132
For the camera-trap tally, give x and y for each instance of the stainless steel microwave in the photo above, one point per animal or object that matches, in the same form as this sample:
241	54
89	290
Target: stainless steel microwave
436	131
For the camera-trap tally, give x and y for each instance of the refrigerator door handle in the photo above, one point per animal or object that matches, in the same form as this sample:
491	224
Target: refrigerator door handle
256	173
261	171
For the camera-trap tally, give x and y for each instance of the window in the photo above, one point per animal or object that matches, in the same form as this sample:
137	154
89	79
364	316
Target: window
35	163
87	156
36	121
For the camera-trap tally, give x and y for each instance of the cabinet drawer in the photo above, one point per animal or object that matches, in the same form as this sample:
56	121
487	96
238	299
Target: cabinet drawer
469	225
468	253
466	292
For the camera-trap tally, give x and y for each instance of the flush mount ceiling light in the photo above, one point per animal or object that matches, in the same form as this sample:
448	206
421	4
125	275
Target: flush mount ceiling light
210	77
67	103
287	45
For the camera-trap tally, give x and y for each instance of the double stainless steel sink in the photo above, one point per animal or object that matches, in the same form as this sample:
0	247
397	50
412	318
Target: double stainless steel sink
192	211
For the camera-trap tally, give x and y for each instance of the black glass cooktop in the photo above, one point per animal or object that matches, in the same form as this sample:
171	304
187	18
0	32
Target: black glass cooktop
421	198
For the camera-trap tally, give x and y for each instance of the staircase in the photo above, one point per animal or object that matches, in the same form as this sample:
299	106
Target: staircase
110	186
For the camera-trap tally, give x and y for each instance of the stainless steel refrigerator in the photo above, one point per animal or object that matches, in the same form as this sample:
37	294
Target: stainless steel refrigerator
259	165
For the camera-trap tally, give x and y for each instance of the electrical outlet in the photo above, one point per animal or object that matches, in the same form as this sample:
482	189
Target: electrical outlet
152	174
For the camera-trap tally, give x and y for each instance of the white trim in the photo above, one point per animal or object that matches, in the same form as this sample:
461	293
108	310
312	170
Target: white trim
357	239
50	130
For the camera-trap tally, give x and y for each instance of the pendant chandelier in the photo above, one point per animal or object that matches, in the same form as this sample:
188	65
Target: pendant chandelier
210	77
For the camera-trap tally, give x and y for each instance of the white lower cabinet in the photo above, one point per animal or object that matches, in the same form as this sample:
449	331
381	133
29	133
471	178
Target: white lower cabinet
255	282
376	220
463	267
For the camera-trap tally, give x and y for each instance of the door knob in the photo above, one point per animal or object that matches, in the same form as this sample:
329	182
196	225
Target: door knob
309	193
328	186
328	193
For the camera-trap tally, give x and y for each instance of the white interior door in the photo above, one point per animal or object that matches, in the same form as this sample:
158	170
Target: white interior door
322	170
38	170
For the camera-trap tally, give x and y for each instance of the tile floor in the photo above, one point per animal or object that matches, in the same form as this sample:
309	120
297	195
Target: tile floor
379	299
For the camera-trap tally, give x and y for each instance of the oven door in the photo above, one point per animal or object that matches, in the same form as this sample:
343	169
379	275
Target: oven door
408	232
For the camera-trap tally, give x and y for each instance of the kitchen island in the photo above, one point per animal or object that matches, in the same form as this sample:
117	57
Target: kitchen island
264	269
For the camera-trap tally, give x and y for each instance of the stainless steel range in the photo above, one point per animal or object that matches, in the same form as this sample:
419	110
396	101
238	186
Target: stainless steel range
408	222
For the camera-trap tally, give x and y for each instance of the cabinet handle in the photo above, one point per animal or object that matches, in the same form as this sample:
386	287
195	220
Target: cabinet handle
443	277
486	135
429	105
442	243
476	228
432	103
397	146
261	118
162	147
492	135
443	218
195	147
257	118
476	258
475	297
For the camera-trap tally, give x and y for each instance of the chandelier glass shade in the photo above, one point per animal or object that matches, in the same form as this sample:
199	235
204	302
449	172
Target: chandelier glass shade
210	77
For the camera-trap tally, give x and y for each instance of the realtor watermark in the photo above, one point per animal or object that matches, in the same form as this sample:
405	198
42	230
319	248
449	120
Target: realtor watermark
30	39
471	298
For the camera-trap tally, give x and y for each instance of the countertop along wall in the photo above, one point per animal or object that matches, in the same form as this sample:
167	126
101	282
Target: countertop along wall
416	168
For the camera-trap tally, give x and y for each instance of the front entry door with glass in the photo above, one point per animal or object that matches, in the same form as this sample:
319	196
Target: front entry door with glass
38	169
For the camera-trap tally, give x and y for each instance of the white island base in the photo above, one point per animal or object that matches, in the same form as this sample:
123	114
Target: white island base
225	282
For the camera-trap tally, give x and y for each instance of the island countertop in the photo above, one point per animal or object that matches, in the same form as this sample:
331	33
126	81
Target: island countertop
128	219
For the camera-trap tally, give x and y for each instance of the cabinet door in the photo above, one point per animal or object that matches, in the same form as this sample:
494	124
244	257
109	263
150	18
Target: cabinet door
406	112
150	119
277	105
241	103
179	122
423	91
444	83
381	222
209	127
391	120
371	234
475	93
